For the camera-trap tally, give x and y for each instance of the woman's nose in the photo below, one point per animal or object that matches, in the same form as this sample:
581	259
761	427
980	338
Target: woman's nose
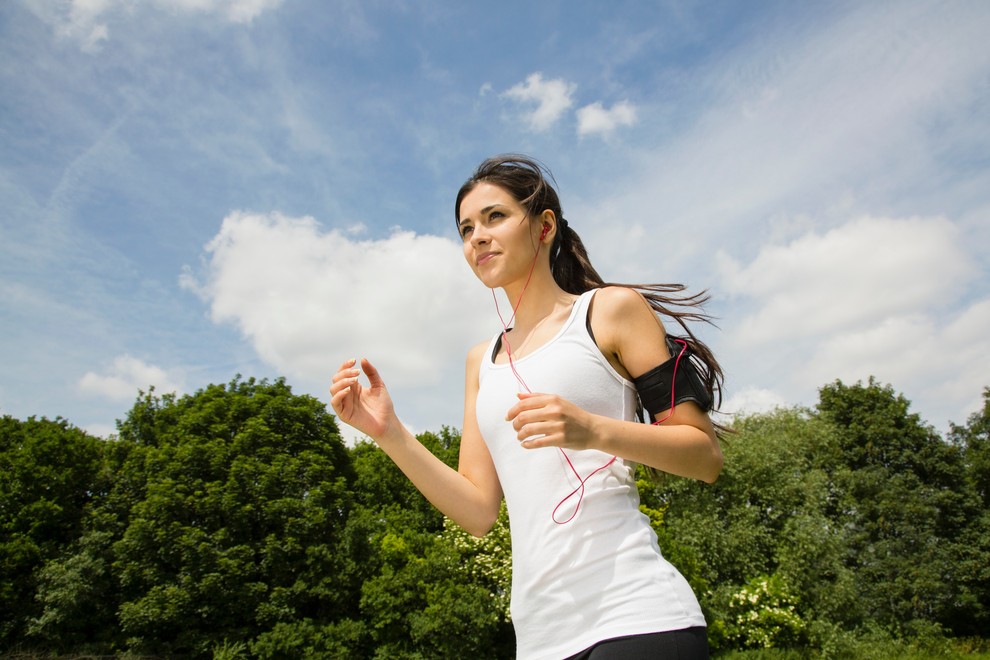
479	236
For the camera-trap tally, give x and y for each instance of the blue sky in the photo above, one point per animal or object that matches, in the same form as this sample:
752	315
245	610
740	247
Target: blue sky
193	189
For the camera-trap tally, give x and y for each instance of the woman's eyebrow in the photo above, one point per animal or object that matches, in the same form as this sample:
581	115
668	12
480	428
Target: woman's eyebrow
483	211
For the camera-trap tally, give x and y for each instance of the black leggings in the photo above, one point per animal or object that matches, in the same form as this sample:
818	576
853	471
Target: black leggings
687	644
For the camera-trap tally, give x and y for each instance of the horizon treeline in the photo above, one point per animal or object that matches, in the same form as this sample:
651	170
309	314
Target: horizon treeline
235	522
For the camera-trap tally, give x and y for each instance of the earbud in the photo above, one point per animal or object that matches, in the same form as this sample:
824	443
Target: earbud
546	230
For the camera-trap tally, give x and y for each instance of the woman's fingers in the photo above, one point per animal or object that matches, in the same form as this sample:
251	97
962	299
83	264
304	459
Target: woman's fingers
543	420
345	388
530	417
346	370
343	384
527	401
374	378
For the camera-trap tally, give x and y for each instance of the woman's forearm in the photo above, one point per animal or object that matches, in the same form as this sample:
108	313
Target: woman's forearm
450	491
681	449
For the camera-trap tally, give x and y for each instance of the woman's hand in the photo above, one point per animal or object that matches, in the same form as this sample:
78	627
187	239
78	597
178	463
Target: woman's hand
368	409
547	420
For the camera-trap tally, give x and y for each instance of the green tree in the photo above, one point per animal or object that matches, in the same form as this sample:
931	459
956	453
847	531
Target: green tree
974	440
430	590
763	522
48	474
973	548
78	597
902	503
223	521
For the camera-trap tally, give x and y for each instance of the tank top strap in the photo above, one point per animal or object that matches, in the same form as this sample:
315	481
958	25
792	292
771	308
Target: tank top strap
579	324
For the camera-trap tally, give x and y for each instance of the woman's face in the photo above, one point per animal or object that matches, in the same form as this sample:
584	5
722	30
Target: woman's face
498	236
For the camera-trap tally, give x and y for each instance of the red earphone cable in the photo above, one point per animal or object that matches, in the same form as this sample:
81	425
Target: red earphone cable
580	490
505	326
673	380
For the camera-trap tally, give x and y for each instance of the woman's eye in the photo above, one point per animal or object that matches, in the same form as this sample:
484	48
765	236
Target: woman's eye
465	230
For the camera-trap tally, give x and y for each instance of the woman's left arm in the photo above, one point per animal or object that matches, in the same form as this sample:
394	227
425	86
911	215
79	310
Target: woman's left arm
633	339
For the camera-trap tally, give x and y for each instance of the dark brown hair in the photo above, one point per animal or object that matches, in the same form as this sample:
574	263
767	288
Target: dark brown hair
532	185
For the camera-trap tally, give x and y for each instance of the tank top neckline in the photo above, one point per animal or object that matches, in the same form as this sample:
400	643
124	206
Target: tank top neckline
496	343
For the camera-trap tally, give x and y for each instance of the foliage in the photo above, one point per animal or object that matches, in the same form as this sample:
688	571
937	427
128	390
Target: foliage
234	523
857	507
487	560
973	547
222	517
904	506
429	591
763	614
48	474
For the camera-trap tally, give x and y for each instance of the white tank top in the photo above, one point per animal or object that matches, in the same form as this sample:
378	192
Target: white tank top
601	575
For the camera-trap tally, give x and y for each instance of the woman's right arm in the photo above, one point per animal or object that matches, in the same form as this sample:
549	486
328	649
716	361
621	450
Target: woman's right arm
470	495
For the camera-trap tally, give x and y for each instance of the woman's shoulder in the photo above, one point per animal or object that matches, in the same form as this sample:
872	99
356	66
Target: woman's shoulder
476	354
476	351
627	330
619	304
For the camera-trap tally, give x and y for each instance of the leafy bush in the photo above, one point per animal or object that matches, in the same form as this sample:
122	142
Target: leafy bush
763	614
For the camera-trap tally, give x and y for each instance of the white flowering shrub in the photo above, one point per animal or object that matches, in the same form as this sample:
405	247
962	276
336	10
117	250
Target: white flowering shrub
763	614
487	560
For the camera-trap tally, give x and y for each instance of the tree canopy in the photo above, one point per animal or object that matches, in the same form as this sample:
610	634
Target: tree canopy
235	522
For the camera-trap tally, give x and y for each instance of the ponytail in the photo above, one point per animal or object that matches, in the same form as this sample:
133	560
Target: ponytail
569	262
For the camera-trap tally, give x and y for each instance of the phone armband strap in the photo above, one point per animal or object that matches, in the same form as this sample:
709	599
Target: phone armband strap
675	381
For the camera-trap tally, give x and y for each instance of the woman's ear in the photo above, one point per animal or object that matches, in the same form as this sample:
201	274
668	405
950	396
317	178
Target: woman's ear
549	221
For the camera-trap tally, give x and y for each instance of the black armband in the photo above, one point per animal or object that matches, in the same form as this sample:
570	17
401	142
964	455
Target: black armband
676	380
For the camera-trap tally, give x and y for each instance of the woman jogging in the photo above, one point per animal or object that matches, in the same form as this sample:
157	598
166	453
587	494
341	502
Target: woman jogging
550	424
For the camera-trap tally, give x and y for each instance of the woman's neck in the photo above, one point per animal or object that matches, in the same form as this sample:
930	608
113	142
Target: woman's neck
541	297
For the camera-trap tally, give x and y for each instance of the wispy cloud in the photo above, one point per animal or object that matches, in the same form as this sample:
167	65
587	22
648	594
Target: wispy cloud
834	122
88	21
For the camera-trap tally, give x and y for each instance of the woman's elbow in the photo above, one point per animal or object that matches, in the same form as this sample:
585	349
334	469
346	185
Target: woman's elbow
479	532
481	521
713	467
479	528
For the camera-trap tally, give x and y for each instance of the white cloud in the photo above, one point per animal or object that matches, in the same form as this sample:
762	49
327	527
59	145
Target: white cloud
125	377
307	299
236	11
100	430
87	21
751	400
851	276
879	297
940	362
894	349
595	118
77	20
552	99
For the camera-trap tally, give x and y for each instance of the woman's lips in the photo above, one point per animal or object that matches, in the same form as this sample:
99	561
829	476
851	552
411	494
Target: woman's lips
484	258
